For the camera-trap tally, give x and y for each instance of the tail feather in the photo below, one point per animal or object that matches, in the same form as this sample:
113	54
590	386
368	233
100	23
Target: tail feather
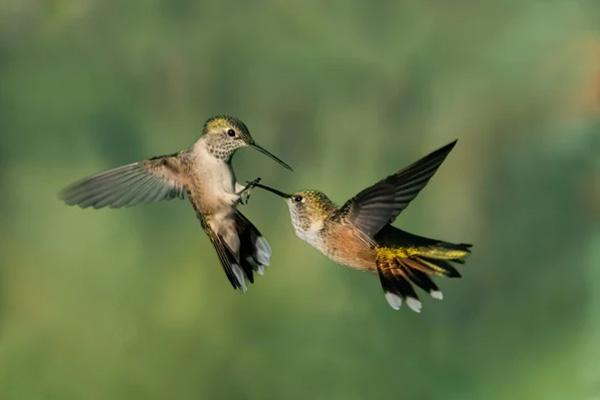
416	262
442	267
229	261
397	289
242	250
432	266
447	251
423	281
394	238
255	252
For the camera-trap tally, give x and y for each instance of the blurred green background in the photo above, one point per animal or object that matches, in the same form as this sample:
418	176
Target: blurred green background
132	303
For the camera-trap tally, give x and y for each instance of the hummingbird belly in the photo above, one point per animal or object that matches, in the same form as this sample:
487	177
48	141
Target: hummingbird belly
346	247
213	194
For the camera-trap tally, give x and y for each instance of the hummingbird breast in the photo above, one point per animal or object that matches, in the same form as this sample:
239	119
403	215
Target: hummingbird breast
212	193
212	184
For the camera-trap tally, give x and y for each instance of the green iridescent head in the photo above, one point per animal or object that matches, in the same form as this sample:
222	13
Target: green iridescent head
308	210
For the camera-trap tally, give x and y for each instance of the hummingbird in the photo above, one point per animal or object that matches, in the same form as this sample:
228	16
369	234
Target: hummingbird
204	175
359	234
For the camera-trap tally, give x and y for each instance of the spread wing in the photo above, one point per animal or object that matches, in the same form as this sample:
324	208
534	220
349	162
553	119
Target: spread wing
378	205
159	178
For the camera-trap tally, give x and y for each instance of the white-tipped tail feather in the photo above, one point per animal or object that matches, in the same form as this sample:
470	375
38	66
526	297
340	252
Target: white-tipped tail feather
414	304
393	300
253	253
263	251
397	289
239	274
436	294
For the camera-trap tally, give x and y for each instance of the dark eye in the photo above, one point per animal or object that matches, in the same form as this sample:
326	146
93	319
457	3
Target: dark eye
297	198
231	132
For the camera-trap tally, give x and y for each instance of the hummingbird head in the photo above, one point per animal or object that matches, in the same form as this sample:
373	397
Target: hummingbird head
224	134
309	209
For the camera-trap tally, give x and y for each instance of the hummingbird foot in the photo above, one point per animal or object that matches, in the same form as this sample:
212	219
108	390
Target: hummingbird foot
245	192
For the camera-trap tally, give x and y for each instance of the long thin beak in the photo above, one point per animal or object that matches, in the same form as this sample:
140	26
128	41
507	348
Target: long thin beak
268	153
273	190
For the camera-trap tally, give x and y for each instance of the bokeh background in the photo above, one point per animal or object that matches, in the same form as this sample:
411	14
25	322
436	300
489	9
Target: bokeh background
132	303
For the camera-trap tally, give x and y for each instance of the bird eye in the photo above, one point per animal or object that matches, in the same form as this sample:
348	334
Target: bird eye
231	132
297	198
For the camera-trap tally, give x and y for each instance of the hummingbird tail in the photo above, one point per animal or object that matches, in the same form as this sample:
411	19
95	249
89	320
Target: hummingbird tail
255	252
229	261
397	288
400	267
242	252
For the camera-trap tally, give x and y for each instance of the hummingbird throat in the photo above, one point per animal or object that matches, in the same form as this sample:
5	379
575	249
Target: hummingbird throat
220	149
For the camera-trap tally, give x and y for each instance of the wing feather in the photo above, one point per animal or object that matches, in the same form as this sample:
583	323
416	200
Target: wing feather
378	205
156	179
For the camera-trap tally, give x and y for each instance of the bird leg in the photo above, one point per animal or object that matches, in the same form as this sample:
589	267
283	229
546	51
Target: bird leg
244	193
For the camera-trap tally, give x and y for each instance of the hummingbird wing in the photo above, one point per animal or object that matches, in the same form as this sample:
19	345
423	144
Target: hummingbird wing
155	179
378	205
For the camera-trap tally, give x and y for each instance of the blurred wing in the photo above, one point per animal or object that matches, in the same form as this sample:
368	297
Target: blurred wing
378	205
159	178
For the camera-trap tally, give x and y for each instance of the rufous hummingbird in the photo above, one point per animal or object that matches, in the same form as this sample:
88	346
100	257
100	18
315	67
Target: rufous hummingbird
359	234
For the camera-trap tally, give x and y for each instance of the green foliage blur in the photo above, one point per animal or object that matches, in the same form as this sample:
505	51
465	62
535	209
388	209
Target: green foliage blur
132	303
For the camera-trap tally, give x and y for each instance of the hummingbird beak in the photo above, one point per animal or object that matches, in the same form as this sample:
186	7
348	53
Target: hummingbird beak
273	190
268	153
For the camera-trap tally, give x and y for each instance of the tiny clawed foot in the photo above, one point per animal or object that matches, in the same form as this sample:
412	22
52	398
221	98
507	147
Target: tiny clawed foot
245	194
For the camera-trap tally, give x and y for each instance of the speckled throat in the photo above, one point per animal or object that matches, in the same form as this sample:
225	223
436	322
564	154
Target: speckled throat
223	150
